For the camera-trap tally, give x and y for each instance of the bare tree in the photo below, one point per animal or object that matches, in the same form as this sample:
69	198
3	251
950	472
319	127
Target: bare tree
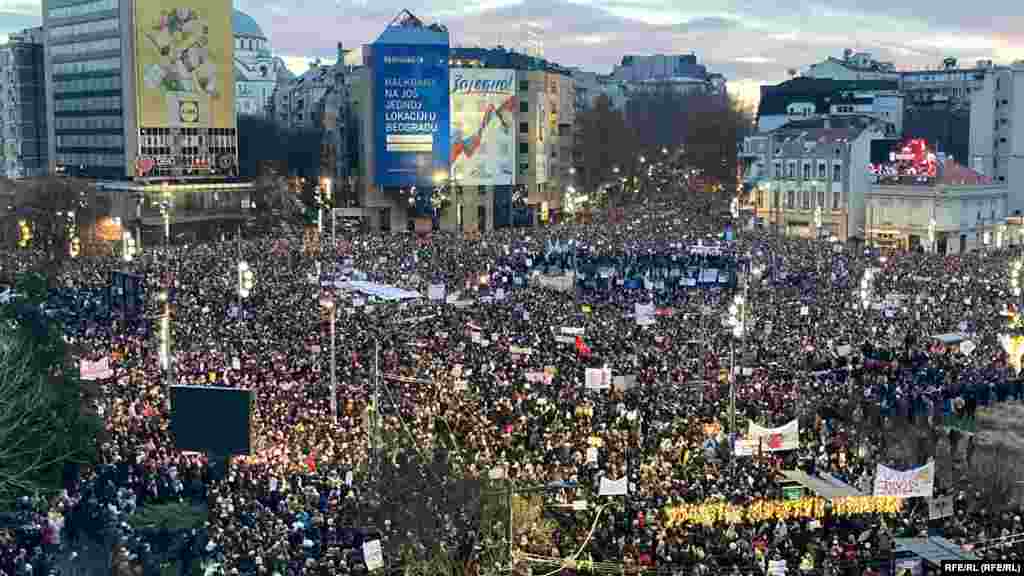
608	143
51	208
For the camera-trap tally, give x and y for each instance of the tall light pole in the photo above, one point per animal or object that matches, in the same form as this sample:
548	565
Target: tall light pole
332	309
165	344
931	234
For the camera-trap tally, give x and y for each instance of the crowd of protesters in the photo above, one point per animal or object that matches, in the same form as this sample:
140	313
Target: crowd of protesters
462	379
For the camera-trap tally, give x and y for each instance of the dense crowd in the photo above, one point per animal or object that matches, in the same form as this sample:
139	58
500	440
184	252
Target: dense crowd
462	385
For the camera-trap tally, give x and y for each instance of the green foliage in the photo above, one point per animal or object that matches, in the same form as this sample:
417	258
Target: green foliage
43	424
172	517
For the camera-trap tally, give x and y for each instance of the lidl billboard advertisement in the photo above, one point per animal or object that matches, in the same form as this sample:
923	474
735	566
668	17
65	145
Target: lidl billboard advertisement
411	110
184	51
483	107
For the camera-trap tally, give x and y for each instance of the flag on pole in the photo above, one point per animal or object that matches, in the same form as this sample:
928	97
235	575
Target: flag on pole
582	348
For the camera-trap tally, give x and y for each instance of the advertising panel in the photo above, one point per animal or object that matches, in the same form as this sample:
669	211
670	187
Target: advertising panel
184	53
483	109
411	113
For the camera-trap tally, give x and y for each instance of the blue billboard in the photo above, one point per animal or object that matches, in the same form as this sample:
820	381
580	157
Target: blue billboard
411	116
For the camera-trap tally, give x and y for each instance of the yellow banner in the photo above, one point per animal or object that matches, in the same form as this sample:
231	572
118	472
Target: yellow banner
184	64
760	511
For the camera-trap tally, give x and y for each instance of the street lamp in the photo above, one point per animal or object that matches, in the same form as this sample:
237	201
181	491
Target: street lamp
128	247
165	343
330	306
866	287
817	220
246	279
931	234
1015	268
738	322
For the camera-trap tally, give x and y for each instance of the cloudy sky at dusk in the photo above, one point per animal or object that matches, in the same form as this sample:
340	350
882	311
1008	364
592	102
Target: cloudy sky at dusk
749	42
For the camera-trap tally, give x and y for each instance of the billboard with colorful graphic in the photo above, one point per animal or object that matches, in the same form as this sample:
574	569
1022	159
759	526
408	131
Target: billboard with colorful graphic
483	131
184	54
411	113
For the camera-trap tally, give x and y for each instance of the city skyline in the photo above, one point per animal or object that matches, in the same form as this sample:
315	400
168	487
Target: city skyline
749	43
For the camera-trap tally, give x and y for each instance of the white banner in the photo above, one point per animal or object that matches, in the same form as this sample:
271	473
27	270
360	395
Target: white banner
570	331
98	370
436	292
913	483
599	378
373	556
618	487
775	439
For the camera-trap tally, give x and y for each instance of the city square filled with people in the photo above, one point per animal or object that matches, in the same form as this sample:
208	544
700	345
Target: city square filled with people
493	378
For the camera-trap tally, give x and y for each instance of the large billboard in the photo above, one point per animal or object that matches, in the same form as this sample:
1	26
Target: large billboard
184	51
411	113
483	108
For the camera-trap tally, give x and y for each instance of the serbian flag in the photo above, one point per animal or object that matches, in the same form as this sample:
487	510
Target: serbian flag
311	461
582	348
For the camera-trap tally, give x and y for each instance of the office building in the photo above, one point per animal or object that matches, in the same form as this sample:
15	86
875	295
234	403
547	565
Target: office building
997	130
141	94
23	149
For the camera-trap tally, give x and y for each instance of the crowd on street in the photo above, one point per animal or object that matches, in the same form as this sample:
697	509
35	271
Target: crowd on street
492	378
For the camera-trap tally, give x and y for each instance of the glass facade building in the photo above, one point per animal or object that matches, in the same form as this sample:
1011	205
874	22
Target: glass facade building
85	56
23	147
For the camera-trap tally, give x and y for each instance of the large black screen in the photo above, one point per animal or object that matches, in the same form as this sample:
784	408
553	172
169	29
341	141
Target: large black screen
212	420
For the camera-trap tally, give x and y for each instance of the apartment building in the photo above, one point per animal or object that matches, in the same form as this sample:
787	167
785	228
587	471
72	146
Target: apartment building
23	145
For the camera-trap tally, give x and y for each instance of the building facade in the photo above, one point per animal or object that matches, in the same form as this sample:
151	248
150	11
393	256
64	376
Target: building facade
947	217
23	144
852	66
997	130
948	84
294	102
338	141
257	70
807	182
141	96
90	79
802	98
122	103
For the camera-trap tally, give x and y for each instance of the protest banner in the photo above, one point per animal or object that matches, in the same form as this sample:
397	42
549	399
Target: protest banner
98	370
913	483
778	439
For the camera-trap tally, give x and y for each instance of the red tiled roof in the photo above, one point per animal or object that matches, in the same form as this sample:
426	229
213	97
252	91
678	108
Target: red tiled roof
955	174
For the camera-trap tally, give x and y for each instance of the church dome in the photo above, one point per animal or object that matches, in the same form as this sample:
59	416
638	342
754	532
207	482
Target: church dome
244	25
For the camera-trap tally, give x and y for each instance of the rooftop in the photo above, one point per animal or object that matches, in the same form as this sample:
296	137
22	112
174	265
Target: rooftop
244	25
775	99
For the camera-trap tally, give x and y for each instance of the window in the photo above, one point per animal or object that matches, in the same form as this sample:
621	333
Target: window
807	171
778	170
791	170
524	128
822	171
821	199
524	167
837	173
524	106
87	84
789	198
837	200
97	27
524	147
806	199
524	85
83	9
80	47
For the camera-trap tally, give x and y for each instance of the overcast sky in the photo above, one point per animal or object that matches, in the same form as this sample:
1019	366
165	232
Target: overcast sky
750	42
